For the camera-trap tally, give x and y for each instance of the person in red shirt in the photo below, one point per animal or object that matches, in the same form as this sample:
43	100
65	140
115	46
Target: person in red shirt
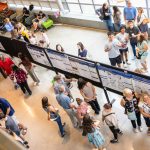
5	64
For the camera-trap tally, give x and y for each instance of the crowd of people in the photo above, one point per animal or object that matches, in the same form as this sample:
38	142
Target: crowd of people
135	31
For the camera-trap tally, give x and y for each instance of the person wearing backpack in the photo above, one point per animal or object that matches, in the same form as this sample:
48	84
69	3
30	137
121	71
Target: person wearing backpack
111	120
130	102
144	106
53	115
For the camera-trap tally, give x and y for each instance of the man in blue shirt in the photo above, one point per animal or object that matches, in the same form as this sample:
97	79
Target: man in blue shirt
6	108
130	12
65	102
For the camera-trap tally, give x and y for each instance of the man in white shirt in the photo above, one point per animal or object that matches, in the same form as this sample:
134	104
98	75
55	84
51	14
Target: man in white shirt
112	47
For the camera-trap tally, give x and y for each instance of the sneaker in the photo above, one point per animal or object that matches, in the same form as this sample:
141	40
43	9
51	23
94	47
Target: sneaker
134	58
63	135
135	130
120	132
140	129
125	66
114	141
128	63
64	124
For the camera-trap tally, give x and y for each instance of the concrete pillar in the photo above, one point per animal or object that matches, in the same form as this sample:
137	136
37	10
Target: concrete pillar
60	5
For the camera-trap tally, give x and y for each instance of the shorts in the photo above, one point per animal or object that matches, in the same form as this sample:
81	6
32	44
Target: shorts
123	50
15	119
115	61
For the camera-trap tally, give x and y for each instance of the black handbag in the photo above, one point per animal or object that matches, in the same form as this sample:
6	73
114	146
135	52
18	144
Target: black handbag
139	55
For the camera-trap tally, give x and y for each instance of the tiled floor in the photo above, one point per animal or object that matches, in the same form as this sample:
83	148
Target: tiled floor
43	134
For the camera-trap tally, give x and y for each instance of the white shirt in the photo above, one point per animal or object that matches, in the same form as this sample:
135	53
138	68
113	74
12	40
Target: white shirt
45	38
122	38
145	107
113	48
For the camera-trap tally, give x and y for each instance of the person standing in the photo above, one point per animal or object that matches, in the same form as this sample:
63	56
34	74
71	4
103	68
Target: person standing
130	103
111	120
142	23
82	52
21	78
5	64
117	18
123	39
59	80
106	13
65	102
130	12
112	47
8	110
59	48
144	106
141	51
29	67
133	32
53	114
88	92
93	133
8	26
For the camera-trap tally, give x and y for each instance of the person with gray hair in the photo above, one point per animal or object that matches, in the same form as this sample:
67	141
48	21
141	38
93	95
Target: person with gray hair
65	102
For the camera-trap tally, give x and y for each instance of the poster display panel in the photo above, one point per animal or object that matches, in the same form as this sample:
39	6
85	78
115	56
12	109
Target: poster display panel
140	84
115	79
38	55
84	68
59	60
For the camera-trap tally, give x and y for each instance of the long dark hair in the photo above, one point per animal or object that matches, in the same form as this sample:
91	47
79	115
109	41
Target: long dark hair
21	56
62	50
81	45
103	7
88	124
45	102
81	83
15	68
115	9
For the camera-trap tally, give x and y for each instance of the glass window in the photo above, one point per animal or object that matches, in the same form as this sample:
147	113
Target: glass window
74	8
139	3
88	9
26	3
73	1
86	1
45	4
117	2
101	2
18	2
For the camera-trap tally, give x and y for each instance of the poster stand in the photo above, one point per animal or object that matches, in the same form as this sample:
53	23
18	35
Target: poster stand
104	76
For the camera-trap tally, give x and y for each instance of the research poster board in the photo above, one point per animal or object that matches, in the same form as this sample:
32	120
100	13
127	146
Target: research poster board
38	55
59	60
84	68
2	47
140	84
115	79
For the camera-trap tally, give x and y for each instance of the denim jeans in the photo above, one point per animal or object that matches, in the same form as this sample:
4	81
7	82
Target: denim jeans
117	26
138	121
147	121
133	45
61	128
109	25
